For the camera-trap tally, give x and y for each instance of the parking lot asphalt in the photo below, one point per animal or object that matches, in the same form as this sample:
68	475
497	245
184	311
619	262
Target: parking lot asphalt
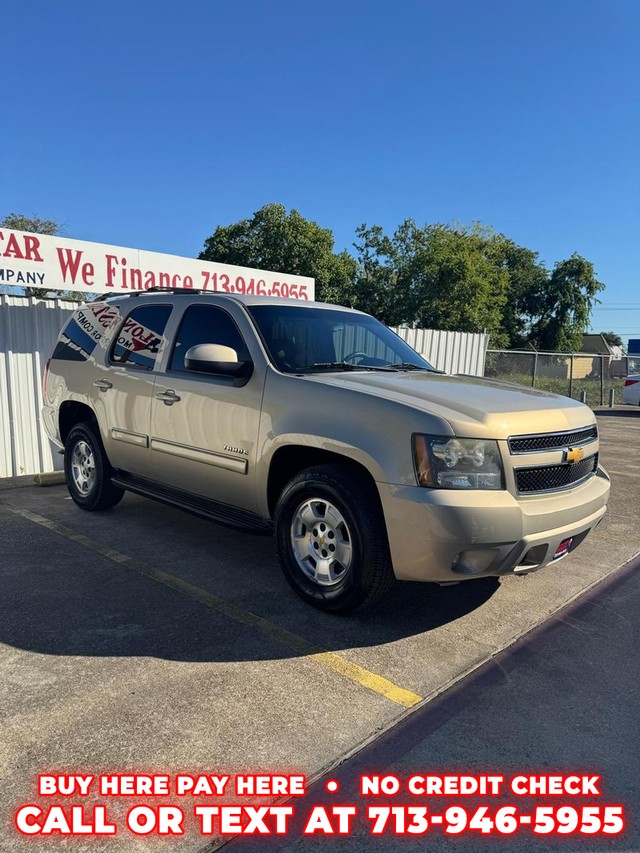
560	700
147	639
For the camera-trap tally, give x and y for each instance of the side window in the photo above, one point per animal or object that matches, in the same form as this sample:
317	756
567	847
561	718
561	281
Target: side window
206	324
85	330
138	341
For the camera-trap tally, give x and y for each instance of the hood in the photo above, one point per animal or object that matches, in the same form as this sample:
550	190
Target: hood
474	407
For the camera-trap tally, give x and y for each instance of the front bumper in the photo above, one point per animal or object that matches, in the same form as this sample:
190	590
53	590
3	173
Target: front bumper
448	536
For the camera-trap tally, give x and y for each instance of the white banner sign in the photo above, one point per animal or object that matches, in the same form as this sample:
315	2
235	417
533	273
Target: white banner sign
56	263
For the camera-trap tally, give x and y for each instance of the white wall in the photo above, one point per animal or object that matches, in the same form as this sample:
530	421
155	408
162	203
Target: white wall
453	352
28	331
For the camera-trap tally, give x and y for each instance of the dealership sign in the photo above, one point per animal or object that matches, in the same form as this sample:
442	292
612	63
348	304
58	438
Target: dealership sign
56	263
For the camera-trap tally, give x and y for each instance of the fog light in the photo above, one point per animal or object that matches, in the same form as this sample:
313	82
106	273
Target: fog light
474	562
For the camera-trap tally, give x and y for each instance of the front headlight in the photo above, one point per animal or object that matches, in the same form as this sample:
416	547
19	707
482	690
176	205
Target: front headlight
457	463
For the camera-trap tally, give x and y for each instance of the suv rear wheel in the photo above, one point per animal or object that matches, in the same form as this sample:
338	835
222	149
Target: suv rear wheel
87	470
332	541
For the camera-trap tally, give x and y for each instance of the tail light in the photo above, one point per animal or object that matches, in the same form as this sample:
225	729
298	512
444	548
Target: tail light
631	382
44	380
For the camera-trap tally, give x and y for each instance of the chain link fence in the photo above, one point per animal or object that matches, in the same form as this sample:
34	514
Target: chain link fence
576	375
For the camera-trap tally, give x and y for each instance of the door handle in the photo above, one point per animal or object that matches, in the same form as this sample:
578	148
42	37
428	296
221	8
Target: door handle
168	397
103	384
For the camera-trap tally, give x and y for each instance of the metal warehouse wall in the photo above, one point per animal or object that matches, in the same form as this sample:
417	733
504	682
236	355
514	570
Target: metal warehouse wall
28	331
453	352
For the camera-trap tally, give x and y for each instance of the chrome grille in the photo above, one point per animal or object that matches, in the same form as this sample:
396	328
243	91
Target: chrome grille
552	440
551	478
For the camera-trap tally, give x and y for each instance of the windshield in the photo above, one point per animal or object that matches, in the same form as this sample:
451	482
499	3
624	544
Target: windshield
315	339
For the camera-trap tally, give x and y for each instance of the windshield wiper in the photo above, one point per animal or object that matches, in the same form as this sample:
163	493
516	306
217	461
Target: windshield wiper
341	365
409	365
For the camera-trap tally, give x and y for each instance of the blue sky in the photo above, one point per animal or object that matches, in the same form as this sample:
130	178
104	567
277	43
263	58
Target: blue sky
148	124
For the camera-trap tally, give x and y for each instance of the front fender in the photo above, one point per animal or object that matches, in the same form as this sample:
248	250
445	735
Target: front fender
373	431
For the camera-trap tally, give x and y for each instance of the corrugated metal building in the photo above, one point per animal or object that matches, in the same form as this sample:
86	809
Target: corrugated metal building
453	352
28	331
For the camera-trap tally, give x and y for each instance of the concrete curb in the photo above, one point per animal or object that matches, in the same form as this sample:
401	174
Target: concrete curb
53	478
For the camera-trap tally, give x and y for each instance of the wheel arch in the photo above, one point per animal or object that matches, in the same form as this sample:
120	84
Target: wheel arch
73	412
290	459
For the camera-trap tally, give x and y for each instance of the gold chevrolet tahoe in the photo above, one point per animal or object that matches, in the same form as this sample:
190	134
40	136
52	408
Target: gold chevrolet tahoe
318	423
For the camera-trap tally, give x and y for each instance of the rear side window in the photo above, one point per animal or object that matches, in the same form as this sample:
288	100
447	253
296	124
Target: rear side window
138	341
206	324
87	328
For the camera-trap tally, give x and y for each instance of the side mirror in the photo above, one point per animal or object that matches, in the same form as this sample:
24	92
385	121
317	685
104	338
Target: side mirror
214	358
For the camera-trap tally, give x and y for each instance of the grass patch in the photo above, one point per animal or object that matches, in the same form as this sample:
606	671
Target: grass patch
557	385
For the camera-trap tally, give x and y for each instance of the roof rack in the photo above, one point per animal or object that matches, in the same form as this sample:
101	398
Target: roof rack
168	290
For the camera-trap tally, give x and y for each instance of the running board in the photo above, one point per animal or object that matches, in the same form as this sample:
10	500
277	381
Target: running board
221	513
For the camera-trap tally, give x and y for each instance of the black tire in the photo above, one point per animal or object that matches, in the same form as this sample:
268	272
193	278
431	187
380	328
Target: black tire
369	575
99	492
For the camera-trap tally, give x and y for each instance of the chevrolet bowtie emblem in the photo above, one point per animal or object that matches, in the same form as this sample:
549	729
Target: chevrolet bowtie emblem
573	454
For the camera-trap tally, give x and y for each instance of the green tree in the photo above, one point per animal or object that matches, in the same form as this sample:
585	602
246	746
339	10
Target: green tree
461	278
547	310
285	242
612	339
473	278
437	276
457	283
18	222
560	309
35	225
376	288
527	277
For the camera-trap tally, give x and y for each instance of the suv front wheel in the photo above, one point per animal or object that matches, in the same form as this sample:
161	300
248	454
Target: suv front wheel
332	541
87	470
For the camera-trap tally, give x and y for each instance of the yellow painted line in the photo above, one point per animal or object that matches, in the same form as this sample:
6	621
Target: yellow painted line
330	660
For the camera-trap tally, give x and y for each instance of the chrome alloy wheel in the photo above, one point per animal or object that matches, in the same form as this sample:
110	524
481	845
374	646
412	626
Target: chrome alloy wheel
321	541
83	467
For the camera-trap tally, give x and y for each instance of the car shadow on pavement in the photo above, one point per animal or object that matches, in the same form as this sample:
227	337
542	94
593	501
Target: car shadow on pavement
60	598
